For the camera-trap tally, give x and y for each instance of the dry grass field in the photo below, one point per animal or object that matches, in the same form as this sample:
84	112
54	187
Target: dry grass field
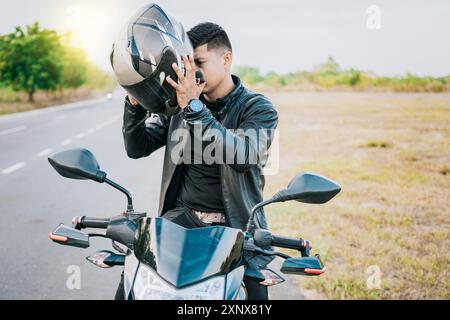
391	154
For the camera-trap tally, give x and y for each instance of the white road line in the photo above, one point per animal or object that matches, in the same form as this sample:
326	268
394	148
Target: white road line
111	120
105	123
66	142
13	168
45	152
12	130
99	126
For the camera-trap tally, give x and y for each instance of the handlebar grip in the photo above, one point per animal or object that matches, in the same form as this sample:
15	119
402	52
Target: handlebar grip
289	243
85	222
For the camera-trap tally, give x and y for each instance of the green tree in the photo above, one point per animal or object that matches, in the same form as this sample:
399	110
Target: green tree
99	79
273	79
74	63
329	67
250	75
31	60
349	77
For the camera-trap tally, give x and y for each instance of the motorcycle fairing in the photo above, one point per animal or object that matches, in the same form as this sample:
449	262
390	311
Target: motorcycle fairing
185	256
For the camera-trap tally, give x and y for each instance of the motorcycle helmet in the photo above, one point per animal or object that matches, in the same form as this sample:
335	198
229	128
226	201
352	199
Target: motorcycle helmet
143	57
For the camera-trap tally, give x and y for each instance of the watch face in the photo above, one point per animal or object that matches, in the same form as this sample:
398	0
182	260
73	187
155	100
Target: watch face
196	105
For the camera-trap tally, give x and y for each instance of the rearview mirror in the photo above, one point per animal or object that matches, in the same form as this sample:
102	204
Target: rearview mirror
304	187
81	164
77	164
308	188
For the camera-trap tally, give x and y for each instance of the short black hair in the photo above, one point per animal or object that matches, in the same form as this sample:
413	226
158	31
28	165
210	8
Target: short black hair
211	34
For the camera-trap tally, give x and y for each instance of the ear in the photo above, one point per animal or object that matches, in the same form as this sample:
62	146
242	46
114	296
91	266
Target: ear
227	60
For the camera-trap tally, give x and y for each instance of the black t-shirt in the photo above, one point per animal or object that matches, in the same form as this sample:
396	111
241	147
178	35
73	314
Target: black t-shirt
200	185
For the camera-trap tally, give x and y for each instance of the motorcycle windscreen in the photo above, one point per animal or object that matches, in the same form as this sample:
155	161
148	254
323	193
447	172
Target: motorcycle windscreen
185	256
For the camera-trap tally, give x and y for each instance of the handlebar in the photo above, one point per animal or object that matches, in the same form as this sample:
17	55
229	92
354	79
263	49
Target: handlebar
289	243
263	238
85	222
304	246
120	228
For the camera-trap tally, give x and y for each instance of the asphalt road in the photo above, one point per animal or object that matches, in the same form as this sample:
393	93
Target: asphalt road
34	199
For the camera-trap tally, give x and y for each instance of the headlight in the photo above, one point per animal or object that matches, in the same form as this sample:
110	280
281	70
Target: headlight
149	286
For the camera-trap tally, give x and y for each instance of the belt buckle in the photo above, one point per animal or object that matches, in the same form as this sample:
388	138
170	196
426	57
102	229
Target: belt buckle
210	217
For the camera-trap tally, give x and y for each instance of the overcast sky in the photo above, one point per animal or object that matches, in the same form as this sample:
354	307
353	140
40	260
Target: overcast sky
281	35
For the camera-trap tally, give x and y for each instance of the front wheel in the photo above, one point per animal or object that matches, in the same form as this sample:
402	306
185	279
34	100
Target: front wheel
255	290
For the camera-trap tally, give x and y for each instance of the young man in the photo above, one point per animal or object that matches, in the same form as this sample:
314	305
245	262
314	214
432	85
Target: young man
203	193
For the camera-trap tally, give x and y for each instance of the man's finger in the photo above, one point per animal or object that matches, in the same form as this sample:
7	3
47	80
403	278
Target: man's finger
191	60
187	64
178	72
171	82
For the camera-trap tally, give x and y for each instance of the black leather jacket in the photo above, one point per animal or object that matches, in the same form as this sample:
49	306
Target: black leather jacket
242	183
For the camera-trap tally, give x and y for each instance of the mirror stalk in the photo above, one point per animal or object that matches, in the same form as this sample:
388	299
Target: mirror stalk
251	222
125	191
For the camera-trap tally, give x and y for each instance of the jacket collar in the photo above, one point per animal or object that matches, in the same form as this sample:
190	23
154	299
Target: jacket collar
221	105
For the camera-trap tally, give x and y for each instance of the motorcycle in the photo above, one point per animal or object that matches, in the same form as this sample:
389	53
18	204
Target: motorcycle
163	260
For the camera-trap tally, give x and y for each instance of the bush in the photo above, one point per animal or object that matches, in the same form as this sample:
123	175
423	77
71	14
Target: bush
329	75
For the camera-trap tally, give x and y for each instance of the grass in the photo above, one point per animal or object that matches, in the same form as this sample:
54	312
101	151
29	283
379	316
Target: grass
378	144
390	152
444	170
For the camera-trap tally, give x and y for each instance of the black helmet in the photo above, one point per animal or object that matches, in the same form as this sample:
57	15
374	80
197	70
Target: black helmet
143	57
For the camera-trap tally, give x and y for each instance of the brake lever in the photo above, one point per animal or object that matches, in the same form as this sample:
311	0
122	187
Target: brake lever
250	246
271	253
306	248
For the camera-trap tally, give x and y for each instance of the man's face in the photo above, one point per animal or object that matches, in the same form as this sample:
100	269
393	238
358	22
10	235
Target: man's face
215	65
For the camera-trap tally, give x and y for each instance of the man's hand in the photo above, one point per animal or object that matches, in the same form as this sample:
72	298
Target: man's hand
133	101
187	87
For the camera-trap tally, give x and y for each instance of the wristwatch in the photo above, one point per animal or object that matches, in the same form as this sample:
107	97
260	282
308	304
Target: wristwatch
194	105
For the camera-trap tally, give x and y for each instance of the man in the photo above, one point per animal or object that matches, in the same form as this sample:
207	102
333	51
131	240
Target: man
201	193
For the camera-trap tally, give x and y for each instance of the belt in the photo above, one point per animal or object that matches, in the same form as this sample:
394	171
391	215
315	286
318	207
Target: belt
210	217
